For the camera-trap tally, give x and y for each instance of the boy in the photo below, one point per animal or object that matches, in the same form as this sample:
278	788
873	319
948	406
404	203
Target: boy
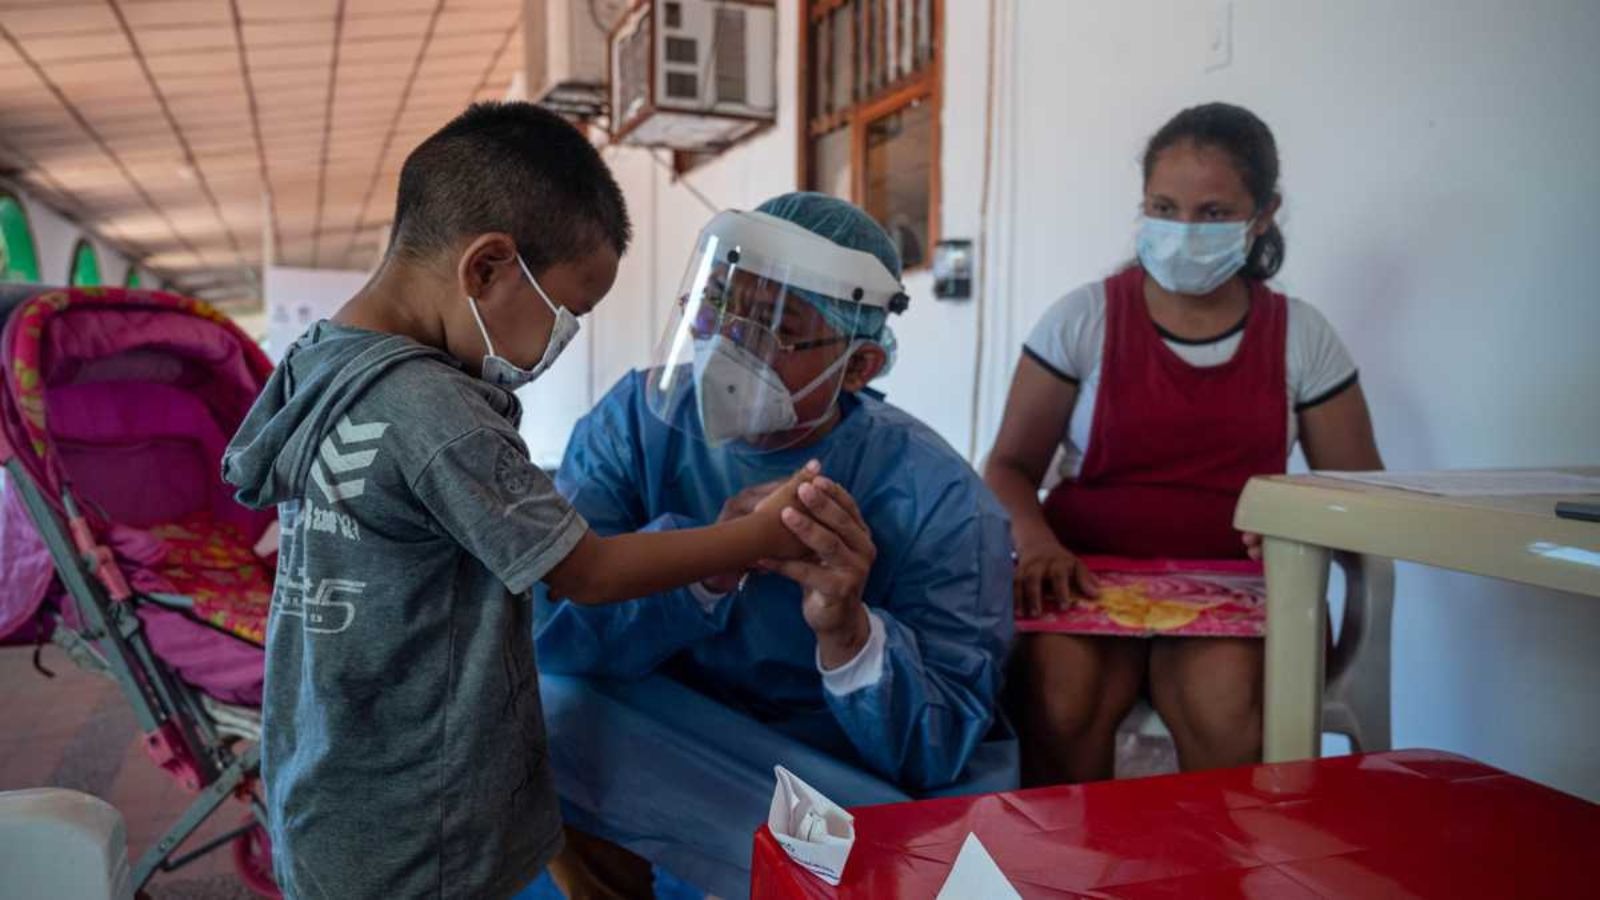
403	748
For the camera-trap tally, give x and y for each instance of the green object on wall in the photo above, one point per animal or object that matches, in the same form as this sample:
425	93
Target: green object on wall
18	259
85	266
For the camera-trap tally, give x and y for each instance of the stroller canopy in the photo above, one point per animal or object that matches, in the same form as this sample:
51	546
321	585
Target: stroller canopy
127	399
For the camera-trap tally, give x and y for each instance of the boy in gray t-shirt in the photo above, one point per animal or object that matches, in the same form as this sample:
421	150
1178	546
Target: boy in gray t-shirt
403	750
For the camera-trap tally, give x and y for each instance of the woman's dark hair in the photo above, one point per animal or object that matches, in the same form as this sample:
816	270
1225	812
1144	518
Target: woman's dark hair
1247	140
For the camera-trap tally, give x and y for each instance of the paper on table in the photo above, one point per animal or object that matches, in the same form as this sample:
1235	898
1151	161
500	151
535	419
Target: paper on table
1477	484
975	876
813	830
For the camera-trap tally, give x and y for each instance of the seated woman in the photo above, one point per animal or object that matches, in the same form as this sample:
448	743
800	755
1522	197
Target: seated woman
1169	384
872	671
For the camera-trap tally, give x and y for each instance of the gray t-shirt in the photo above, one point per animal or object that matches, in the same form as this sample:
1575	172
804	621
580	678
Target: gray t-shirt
403	747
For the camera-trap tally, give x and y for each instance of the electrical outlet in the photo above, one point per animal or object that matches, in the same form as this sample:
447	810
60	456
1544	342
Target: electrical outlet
1219	36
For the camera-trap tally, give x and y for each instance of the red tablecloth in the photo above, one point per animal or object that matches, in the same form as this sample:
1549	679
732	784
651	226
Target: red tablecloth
1415	823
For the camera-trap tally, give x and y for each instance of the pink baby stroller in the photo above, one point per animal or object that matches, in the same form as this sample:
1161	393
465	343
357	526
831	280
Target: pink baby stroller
120	542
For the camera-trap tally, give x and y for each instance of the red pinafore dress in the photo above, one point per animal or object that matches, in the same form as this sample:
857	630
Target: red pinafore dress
1172	444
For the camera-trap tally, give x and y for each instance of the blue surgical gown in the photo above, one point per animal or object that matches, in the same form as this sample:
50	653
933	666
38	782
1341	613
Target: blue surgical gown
941	585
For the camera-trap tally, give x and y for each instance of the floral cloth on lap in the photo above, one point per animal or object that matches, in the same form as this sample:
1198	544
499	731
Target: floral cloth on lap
213	565
1166	597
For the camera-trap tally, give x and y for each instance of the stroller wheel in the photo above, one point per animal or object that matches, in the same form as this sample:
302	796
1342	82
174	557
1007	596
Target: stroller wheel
252	857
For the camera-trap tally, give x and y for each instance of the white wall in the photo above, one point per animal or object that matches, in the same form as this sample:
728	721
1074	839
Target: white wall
933	375
294	299
1440	200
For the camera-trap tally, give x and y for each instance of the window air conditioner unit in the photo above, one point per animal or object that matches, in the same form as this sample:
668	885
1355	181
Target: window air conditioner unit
695	75
564	53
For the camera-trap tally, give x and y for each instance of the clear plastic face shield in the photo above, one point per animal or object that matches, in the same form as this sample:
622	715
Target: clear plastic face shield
762	332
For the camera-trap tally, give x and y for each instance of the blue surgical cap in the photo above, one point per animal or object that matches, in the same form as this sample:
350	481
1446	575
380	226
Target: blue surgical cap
848	226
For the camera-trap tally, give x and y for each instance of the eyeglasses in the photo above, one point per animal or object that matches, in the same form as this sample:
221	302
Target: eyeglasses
709	319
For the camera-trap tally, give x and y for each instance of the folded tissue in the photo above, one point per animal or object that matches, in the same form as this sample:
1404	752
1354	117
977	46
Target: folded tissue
813	830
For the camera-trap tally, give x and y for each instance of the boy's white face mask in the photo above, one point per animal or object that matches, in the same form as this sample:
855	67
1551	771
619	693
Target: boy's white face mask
502	372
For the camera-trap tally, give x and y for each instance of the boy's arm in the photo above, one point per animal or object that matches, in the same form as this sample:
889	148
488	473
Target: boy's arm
483	492
625	566
628	639
606	475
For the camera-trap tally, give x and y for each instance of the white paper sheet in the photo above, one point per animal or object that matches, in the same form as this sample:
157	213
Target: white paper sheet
1478	484
975	876
813	830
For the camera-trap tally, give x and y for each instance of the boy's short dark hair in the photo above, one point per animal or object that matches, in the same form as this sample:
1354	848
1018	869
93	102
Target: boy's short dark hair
511	167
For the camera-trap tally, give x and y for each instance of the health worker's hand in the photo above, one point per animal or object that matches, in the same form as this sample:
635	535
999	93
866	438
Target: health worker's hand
836	578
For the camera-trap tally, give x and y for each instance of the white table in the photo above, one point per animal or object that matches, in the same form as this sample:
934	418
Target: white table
1304	518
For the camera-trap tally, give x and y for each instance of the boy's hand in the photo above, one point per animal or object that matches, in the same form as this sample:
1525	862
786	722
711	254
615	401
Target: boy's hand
738	506
785	545
744	503
268	544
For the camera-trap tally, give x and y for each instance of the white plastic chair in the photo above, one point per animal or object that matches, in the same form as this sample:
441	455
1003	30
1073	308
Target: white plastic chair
1355	702
60	843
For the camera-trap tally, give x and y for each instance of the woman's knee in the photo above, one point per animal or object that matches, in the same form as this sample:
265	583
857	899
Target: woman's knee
1210	694
1058	694
1076	684
1225	721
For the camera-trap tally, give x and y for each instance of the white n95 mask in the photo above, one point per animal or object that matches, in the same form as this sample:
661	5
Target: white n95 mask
1192	257
502	372
739	395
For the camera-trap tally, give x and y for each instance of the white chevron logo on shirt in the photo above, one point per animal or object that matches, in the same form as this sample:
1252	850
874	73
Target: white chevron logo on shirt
340	460
351	433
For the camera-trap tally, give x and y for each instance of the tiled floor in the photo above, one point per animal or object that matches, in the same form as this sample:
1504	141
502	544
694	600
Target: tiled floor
77	731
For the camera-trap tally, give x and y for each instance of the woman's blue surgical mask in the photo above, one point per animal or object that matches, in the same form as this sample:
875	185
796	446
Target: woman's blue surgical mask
1192	257
502	372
